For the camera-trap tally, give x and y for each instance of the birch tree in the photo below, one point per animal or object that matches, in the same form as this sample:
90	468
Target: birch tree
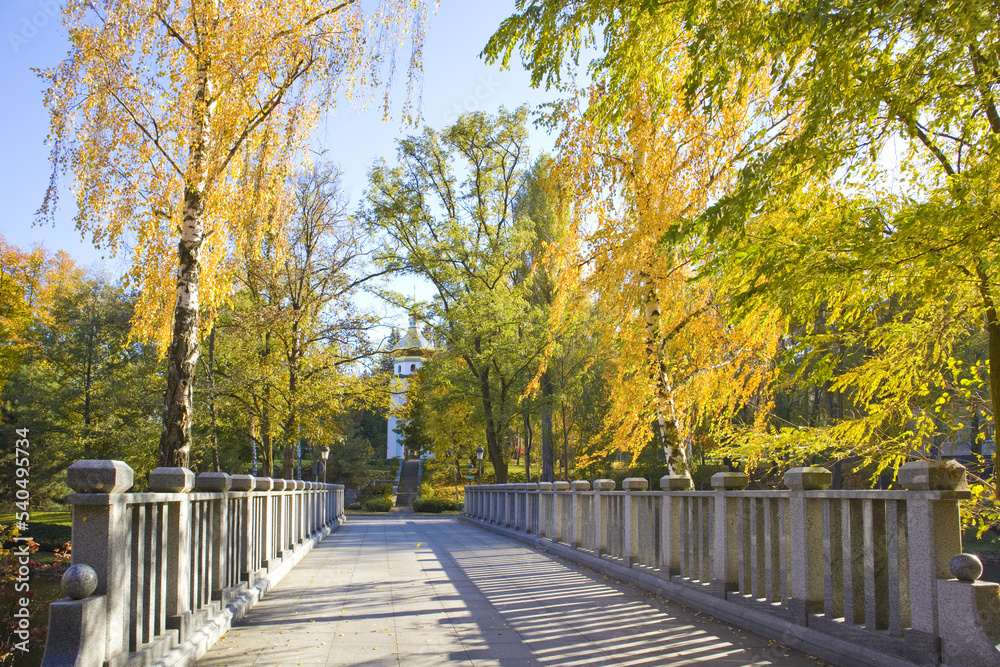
177	120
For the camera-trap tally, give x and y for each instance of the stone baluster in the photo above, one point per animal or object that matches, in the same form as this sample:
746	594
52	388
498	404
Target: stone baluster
601	515
806	538
559	500
218	482
178	608
263	487
246	567
546	510
726	559
670	524
630	515
576	511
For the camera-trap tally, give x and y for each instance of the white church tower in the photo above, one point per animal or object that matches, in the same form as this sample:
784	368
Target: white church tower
409	354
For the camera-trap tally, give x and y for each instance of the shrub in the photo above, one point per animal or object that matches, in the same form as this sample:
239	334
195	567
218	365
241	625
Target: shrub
377	505
425	490
435	505
49	537
375	490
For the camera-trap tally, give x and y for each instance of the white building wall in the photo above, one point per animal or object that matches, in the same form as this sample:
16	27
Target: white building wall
402	368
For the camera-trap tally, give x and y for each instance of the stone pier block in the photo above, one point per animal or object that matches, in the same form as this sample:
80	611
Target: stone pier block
810	478
545	486
561	486
243	482
676	483
263	483
100	476
730	481
213	481
635	484
932	476
604	485
171	480
579	485
77	632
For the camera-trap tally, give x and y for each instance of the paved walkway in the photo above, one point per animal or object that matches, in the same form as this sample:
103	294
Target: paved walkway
418	590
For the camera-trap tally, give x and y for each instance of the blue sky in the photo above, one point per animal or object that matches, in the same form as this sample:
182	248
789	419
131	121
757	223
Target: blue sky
455	80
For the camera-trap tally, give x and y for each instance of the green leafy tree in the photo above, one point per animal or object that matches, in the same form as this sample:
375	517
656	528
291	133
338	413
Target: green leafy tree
447	213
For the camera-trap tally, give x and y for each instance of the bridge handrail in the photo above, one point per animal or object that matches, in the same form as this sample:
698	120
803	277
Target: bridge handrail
169	561
870	567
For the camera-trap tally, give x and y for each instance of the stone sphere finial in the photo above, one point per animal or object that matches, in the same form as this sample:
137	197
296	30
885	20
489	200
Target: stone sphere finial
79	581
966	567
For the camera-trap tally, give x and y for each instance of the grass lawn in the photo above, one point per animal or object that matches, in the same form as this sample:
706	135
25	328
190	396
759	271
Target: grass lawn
58	518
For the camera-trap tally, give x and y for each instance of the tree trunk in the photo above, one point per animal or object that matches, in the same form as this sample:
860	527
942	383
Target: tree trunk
993	331
211	402
291	429
497	457
88	384
548	465
565	434
529	441
666	417
182	355
267	445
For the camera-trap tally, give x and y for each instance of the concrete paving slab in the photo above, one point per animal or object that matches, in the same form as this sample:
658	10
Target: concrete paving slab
404	589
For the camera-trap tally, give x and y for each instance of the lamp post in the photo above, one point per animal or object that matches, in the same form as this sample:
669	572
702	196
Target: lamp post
324	454
479	455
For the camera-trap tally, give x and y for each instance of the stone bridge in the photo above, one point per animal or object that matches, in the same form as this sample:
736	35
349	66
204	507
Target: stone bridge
245	571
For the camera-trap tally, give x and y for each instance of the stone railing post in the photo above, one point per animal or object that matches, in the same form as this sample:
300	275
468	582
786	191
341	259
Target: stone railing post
246	568
263	486
726	559
806	541
630	515
934	533
101	535
559	499
218	482
546	510
509	505
520	500
280	516
670	524
531	517
301	512
576	510
601	486
178	609
338	494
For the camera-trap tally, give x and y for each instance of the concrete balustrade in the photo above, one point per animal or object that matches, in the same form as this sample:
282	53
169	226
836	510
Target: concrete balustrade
178	564
856	577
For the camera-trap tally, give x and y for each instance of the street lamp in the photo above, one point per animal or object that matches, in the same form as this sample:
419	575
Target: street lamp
479	455
324	454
